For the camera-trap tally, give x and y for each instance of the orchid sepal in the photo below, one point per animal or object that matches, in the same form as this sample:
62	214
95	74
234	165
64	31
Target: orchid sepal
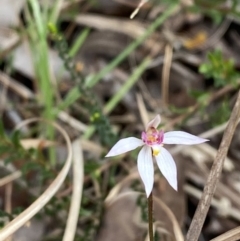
182	138
125	145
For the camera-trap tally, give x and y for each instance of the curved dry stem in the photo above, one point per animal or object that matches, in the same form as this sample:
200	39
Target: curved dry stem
113	194
231	235
150	217
176	228
34	208
77	191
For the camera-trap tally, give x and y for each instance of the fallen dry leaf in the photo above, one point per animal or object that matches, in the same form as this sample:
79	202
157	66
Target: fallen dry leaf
36	143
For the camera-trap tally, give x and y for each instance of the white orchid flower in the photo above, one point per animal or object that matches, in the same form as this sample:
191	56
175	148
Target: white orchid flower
152	141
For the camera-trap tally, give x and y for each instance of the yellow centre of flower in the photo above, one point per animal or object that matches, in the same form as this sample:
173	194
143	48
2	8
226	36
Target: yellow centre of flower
155	152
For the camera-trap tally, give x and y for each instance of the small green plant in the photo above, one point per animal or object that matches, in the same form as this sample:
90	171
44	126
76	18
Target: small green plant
221	114
216	10
11	149
202	97
208	9
221	70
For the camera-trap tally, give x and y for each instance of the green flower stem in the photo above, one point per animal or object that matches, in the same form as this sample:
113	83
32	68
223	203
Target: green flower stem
150	216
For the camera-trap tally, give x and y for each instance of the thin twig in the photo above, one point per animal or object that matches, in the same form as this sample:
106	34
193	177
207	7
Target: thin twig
8	202
10	178
135	12
213	178
166	73
150	216
231	235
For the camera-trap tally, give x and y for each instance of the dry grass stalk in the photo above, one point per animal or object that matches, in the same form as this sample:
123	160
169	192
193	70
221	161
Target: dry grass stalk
73	215
232	235
166	73
142	109
215	173
10	178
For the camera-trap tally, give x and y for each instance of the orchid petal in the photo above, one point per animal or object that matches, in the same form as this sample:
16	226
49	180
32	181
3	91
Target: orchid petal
182	138
145	168
167	167
154	123
125	145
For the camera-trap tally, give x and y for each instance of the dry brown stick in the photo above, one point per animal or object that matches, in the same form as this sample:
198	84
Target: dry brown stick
8	202
213	178
232	235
